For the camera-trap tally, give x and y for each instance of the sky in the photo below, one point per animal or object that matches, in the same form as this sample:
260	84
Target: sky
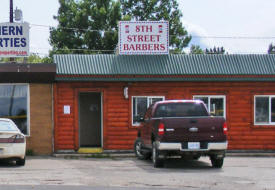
230	18
240	26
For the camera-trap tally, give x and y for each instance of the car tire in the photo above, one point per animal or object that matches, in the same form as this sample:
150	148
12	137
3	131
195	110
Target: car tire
216	162
21	162
138	150
157	162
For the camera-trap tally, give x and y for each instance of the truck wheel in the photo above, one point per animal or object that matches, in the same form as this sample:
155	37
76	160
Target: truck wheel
216	162
138	150
157	162
196	157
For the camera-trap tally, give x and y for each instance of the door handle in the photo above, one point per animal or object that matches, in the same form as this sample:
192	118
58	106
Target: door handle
193	129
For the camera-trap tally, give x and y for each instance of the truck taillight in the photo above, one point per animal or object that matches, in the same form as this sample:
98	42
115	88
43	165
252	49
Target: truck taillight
161	129
224	128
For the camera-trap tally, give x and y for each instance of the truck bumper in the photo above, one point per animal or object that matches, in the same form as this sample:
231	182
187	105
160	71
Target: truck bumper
178	146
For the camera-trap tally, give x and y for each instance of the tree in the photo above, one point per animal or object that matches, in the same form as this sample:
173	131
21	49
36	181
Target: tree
33	58
86	25
271	49
215	50
195	49
154	10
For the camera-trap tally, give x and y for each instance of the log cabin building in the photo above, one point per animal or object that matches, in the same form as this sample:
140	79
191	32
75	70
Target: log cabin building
98	98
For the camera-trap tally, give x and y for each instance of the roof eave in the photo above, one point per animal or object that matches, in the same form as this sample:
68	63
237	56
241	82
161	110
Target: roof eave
166	79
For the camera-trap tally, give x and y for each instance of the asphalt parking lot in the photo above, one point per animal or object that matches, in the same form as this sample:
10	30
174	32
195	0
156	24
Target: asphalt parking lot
237	173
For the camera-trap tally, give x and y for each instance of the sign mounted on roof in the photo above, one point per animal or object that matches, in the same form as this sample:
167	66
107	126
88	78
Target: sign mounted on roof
143	37
14	39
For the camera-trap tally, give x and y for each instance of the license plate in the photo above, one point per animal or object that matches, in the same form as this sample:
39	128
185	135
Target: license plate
193	145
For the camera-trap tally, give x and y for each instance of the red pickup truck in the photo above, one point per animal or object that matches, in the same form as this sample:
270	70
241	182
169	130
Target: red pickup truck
181	127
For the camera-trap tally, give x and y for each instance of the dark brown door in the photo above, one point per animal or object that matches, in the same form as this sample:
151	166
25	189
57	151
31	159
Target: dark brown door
90	119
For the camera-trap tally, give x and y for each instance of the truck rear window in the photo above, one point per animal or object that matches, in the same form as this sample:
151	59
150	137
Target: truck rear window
185	109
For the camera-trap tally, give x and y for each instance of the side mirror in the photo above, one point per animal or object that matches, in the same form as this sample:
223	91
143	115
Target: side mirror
141	119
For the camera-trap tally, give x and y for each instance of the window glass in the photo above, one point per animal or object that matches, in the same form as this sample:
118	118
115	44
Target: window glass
7	126
139	108
148	113
273	109
262	109
216	106
13	101
154	100
140	105
180	110
204	99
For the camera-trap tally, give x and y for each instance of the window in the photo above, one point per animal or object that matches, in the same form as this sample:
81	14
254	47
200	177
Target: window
7	126
214	104
264	110
140	105
185	109
14	104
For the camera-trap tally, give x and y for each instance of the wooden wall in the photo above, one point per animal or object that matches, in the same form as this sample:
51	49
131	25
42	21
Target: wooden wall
118	134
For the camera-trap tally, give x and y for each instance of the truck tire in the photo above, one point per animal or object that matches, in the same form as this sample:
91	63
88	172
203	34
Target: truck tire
138	150
197	157
216	162
157	162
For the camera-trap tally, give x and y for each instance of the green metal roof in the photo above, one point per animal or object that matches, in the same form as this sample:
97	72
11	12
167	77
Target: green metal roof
163	65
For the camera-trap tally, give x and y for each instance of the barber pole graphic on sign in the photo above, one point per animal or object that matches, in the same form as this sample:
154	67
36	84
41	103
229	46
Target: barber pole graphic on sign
143	37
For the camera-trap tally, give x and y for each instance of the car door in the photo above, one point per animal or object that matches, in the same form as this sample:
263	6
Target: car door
147	127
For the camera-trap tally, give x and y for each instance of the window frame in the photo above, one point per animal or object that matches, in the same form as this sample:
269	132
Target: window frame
269	109
209	97
28	103
148	104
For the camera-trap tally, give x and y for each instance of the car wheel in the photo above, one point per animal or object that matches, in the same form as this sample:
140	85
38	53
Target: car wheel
20	162
138	150
216	162
157	162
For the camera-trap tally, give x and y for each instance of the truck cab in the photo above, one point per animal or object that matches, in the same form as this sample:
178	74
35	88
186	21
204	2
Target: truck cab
181	127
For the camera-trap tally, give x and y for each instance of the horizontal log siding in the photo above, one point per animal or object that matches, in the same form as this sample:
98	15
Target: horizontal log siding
120	134
64	123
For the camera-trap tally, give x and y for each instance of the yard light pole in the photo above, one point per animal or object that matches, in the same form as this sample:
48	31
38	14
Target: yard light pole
11	21
11	11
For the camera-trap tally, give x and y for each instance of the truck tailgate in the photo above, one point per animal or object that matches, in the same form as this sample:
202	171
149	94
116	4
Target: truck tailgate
193	129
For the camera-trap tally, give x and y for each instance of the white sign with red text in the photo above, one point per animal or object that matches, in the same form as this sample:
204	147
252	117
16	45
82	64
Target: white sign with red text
143	37
14	39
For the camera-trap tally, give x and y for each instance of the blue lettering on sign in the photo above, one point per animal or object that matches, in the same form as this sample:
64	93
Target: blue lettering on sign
13	42
11	30
23	42
16	42
6	41
12	36
19	30
5	30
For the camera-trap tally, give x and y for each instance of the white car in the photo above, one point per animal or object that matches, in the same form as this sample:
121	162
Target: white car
12	142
